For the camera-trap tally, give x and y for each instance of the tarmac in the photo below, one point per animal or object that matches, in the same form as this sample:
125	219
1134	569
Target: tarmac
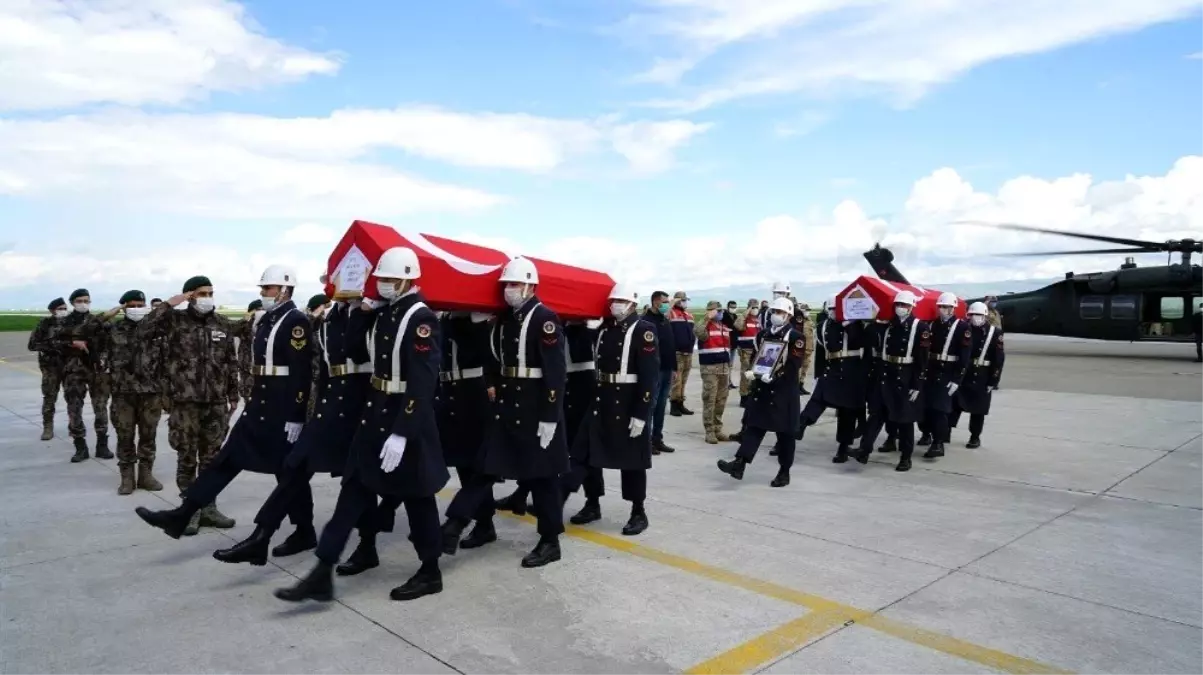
1071	541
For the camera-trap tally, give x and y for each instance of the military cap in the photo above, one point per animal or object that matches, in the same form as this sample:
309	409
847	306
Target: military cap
317	301
154	300
255	306
133	296
713	304
56	303
196	282
79	293
680	295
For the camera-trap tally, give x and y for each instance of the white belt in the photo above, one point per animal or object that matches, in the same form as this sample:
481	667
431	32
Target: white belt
615	378
580	366
946	358
847	353
465	374
269	371
522	373
897	360
982	363
350	368
388	386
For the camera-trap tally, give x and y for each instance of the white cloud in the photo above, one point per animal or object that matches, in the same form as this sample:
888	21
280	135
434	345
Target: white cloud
311	233
64	53
837	46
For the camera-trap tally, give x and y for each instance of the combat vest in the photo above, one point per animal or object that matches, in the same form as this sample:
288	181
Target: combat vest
716	348
747	338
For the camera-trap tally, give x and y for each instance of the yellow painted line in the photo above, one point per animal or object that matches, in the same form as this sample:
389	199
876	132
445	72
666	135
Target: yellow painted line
19	366
764	648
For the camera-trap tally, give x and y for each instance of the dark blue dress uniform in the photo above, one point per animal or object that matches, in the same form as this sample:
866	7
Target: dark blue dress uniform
772	406
872	337
628	368
947	364
839	380
531	372
984	373
902	369
464	408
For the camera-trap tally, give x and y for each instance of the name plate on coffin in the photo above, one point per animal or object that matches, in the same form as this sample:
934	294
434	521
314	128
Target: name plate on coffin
351	275
858	306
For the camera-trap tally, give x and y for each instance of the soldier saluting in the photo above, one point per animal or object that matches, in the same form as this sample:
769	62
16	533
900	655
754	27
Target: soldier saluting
945	372
984	373
614	434
137	396
51	360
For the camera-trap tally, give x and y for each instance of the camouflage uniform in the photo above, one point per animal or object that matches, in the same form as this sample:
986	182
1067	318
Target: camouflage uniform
202	370
84	374
806	327
315	324
137	404
246	380
993	318
51	358
716	378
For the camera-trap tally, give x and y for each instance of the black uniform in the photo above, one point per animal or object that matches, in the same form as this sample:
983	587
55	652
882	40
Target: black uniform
947	364
902	369
983	376
628	366
839	380
530	374
874	332
772	406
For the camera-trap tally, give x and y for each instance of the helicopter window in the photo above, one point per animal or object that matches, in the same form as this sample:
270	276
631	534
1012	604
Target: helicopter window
1091	307
1173	308
1123	307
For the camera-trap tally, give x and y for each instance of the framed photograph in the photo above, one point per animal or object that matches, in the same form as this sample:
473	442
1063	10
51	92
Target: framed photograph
768	357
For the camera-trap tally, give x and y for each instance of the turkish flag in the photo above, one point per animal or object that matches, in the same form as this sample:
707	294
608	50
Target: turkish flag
871	297
457	276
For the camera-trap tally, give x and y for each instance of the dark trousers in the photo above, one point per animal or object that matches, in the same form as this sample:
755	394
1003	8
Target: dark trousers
214	479
485	509
904	432
660	404
549	505
634	483
292	486
750	439
976	422
357	507
846	422
936	424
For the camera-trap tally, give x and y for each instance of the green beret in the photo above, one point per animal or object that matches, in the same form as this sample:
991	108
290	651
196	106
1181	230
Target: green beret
255	306
317	301
133	296
196	282
79	293
56	303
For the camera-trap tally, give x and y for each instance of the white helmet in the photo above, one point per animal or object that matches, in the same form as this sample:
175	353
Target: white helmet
781	287
625	292
904	298
519	270
782	305
947	300
278	275
978	308
398	262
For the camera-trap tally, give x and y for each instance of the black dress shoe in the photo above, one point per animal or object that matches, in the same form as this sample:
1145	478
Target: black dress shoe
925	439
423	583
974	442
515	503
774	452
317	585
781	480
251	550
862	456
545	552
364	558
935	451
890	445
733	468
841	455
636	525
297	542
659	445
591	512
452	531
903	464
171	521
481	534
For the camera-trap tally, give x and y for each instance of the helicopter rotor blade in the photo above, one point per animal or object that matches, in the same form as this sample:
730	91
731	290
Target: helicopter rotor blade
1093	251
1152	246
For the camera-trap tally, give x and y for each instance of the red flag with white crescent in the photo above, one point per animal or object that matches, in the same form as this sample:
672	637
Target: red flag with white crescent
872	297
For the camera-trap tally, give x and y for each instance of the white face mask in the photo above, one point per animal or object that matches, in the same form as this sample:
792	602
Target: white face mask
902	312
60	313
619	309
514	297
778	319
204	305
977	320
268	303
136	313
83	306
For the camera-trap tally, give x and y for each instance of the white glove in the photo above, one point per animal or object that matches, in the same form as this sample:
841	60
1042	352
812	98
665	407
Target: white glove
293	431
749	375
391	453
914	395
952	388
481	317
373	303
767	378
636	427
547	431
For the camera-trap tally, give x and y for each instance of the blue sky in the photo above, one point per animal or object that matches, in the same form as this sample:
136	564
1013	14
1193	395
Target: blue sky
979	95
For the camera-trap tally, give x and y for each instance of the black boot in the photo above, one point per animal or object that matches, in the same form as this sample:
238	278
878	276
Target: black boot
904	464
862	455
841	455
737	437
935	451
545	552
81	450
427	581
675	408
172	521
890	445
774	452
452	530
515	503
974	442
482	533
637	522
659	445
317	585
733	468
364	558
589	513
925	439
251	550
684	410
301	540
102	447
782	478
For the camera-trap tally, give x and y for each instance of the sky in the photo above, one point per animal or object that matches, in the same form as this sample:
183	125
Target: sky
676	144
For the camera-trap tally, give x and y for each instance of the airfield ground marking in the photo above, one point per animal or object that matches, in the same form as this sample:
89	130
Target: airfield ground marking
18	366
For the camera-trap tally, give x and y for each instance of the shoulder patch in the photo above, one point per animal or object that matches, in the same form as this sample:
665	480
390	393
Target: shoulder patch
423	331
298	332
799	344
649	336
549	328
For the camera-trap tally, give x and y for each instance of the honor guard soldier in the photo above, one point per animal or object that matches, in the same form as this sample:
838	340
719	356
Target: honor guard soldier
137	397
983	376
614	434
773	403
839	381
272	419
396	452
527	441
345	373
781	289
945	372
874	333
51	359
904	348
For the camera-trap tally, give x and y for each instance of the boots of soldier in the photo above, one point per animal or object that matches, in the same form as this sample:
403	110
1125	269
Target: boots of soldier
102	447
47	429
890	445
935	451
637	523
660	446
733	468
317	585
975	441
545	552
924	439
782	478
302	539
482	533
591	512
127	480
427	581
81	450
174	522
841	455
711	438
146	479
251	550
452	530
904	464
675	408
515	503
211	517
364	558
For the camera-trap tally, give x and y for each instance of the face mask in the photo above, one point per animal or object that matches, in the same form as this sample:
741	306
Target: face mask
60	313
83	306
718	315
266	302
991	304
778	319
946	313
902	312
663	307
204	305
753	312
684	305
977	320
386	289
514	297
136	313
731	310
618	309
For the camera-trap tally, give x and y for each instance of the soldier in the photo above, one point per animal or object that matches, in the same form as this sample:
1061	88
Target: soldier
528	441
84	340
614	434
945	372
657	315
873	334
773	403
730	320
904	347
839	382
750	326
51	359
137	397
781	289
806	328
993	318
246	332
202	384
272	419
714	360
315	310
683	340
396	452
981	380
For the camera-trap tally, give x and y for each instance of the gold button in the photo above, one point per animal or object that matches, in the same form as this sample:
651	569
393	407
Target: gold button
319	416
260	419
341	415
